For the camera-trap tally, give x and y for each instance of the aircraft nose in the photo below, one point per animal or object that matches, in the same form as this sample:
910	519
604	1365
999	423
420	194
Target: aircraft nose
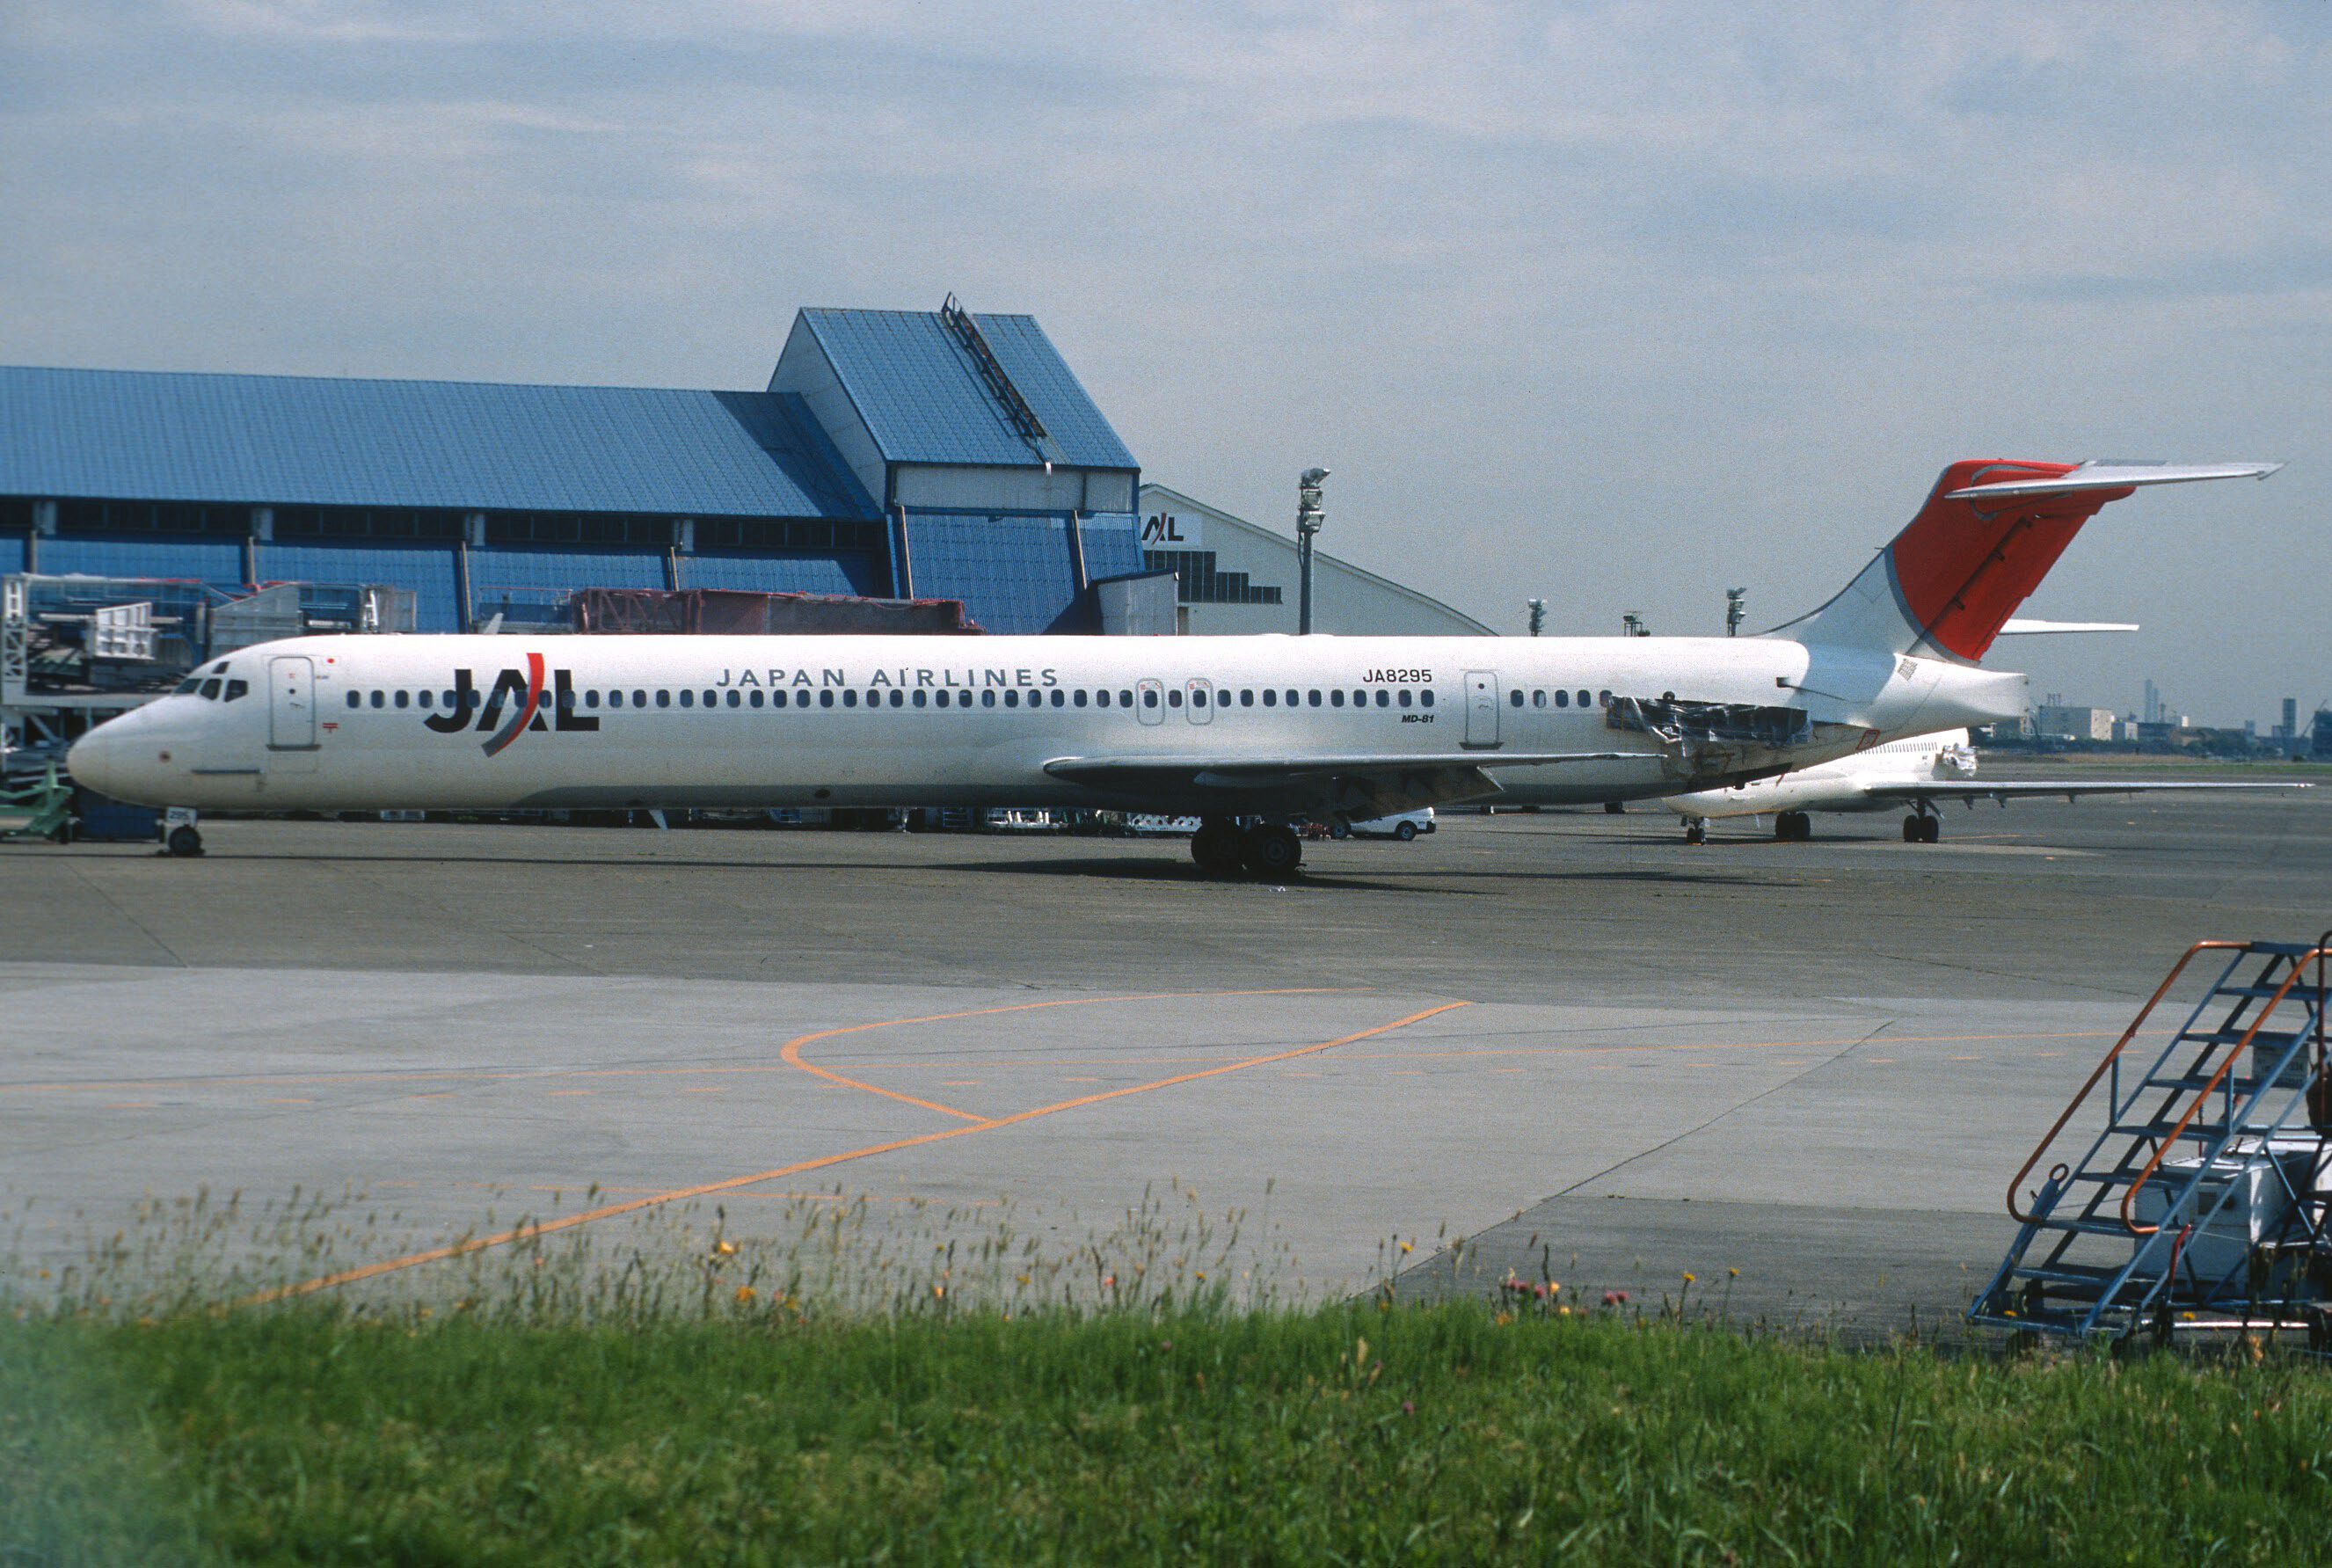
94	761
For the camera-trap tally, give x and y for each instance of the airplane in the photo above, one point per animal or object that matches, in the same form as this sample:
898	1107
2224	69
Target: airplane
1920	773
1243	733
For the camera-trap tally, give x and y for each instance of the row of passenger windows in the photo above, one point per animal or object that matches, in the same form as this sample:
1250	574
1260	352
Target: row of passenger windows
1147	697
1558	699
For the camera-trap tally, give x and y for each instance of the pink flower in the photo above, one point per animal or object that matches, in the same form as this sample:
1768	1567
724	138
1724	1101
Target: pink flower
1615	1298
1408	1409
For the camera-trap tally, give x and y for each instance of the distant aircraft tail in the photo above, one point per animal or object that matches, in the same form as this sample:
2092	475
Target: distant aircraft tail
1990	532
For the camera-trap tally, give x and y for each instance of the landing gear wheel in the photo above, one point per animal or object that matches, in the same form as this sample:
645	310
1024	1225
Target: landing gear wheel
1695	833
1405	832
184	841
1794	828
1615	807
1272	849
1216	844
1922	830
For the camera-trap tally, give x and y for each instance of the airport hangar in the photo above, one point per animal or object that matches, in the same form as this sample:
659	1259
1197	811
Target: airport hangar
893	454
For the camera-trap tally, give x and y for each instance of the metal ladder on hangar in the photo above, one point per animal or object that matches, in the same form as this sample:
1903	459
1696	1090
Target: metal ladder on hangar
2203	1203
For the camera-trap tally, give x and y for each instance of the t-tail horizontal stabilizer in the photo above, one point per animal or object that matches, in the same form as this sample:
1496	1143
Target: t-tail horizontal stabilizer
1989	532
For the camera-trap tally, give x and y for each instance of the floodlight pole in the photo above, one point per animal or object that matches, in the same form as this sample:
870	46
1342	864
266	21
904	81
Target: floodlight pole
1308	518
1537	616
1733	597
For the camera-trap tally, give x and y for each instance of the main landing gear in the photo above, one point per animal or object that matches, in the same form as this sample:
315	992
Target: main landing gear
1793	826
1266	849
1695	830
1919	828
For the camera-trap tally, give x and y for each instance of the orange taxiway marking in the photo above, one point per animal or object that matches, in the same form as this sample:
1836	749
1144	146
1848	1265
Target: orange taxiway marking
679	1194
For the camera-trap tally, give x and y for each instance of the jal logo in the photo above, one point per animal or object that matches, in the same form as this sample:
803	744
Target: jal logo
521	692
1163	529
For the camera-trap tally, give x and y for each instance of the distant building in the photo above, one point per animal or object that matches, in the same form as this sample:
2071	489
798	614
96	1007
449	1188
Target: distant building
2322	727
2057	722
1235	576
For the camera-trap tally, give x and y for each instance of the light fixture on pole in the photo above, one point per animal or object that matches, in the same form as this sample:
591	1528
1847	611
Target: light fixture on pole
1632	625
1537	616
1733	597
1308	518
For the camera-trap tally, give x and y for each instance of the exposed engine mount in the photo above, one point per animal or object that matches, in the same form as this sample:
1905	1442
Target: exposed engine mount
1707	740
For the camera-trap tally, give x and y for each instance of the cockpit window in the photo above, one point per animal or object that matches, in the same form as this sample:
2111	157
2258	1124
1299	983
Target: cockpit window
235	689
211	689
219	668
187	685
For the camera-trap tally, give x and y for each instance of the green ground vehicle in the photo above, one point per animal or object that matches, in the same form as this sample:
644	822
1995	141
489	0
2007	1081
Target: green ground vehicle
39	810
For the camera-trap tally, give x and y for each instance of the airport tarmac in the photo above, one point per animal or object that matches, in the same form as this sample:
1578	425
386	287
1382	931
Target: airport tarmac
1567	1038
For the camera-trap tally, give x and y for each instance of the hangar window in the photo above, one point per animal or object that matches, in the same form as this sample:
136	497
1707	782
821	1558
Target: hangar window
1406	697
687	699
190	683
1584	699
663	698
1270	698
380	699
235	689
1426	696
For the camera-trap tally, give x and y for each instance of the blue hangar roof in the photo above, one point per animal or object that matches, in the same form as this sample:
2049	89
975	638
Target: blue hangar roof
923	400
308	441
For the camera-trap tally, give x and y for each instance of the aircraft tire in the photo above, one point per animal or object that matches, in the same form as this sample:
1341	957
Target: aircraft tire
1911	831
1215	845
1931	830
184	841
1695	833
1272	849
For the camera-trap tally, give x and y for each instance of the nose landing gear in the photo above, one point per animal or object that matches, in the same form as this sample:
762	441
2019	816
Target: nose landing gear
179	836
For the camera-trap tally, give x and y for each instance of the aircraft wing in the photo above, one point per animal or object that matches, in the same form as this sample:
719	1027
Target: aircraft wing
2114	476
1360	784
2006	790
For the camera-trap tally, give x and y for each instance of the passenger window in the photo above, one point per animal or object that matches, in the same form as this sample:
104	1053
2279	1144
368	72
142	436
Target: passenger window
988	699
1011	699
1517	699
1174	698
898	699
1360	699
1315	697
210	689
355	698
1270	697
1384	698
687	698
850	699
922	698
755	698
566	701
237	688
639	699
736	699
1060	698
1584	699
663	698
425	699
1149	699
1406	697
380	699
1426	696
1080	698
1125	699
1247	697
1603	698
712	698
1336	697
825	698
1538	700
591	698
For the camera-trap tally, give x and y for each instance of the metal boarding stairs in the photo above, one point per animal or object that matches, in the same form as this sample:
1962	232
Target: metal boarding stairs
2203	1202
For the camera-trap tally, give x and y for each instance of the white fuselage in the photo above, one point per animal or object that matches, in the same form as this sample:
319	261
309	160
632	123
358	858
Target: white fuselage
429	721
1847	784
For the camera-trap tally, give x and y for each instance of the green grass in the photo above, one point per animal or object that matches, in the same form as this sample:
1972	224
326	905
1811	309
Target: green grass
314	1435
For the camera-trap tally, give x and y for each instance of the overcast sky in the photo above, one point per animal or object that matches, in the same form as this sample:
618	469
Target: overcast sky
1618	304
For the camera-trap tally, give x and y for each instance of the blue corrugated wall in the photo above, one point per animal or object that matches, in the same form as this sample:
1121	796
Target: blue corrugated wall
210	561
1113	544
530	584
11	553
428	570
848	573
1014	574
